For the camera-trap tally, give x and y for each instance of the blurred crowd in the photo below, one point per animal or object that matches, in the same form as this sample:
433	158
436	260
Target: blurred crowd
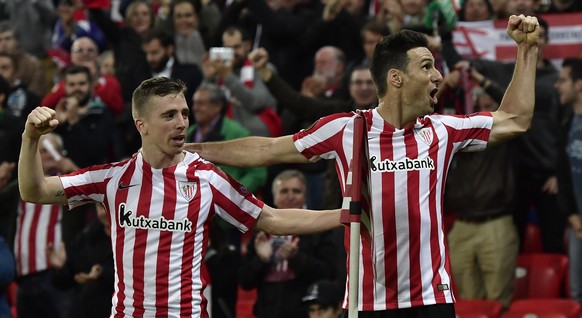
84	58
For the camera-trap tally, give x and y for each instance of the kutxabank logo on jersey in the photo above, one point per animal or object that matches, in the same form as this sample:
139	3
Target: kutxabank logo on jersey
126	219
405	164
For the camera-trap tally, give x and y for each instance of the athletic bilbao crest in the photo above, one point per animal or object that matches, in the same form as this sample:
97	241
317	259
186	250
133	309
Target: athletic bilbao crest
188	189
426	135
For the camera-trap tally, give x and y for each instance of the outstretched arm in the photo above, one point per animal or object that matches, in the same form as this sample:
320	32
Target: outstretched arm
296	221
516	110
34	186
250	151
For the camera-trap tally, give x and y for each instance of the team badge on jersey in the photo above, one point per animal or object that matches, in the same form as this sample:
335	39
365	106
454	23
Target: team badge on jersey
425	135
188	189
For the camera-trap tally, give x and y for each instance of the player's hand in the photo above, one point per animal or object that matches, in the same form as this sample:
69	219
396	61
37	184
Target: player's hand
523	30
40	121
84	278
56	257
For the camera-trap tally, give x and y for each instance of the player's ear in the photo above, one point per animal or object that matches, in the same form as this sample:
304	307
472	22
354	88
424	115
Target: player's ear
394	78
141	127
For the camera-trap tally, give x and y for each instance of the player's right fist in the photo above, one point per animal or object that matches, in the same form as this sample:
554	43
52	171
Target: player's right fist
40	121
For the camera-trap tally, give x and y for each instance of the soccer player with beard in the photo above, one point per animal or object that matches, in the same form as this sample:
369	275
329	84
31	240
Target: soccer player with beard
160	203
404	265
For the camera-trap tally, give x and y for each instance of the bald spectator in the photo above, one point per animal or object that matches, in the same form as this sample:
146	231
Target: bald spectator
84	52
30	70
326	80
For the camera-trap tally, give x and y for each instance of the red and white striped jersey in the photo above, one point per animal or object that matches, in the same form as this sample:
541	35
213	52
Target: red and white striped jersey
37	226
403	259
159	229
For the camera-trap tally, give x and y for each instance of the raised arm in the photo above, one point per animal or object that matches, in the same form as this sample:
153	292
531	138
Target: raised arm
34	186
250	151
516	110
296	221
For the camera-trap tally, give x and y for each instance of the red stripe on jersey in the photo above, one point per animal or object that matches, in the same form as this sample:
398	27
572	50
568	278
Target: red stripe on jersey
120	197
188	248
389	220
165	241
140	244
32	239
414	217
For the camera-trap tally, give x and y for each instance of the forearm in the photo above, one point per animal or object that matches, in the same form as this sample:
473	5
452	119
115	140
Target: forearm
30	174
246	152
297	221
519	99
252	99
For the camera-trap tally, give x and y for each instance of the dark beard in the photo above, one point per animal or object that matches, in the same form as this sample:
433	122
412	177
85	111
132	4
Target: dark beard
162	65
85	100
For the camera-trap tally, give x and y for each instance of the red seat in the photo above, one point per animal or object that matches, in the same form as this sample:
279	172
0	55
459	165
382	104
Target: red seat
245	301
11	295
540	276
544	308
532	241
478	309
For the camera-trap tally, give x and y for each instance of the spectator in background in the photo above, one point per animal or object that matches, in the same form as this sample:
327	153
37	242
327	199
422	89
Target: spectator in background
34	19
30	70
209	105
86	266
9	135
84	52
483	242
38	227
476	10
324	299
159	49
194	31
371	33
251	104
106	63
569	87
74	23
327	80
86	123
537	149
282	267
21	100
131	67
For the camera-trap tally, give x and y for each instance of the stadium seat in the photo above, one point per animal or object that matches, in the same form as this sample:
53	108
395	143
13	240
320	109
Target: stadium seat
11	295
478	309
540	276
245	301
544	308
532	241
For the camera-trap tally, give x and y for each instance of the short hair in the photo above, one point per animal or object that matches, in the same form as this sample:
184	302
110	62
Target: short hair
463	10
78	69
391	52
165	39
575	65
244	34
286	175
157	86
196	4
217	95
12	58
6	27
